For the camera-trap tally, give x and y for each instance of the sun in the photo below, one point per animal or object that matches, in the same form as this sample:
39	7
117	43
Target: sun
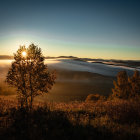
24	54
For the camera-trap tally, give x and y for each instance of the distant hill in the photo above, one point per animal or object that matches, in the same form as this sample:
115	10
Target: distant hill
71	57
129	63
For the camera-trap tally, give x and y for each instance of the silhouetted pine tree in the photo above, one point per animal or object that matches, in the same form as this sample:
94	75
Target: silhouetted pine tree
135	84
121	87
29	74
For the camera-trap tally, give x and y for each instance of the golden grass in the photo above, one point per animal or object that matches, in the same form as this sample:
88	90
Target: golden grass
110	116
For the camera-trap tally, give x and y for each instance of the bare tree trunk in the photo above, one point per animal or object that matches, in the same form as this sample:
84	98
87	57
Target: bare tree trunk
31	101
24	86
31	90
26	103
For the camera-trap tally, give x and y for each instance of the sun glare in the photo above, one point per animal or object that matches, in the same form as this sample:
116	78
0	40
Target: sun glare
24	54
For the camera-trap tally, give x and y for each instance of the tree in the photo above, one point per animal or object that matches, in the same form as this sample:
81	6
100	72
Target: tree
29	74
135	84
122	86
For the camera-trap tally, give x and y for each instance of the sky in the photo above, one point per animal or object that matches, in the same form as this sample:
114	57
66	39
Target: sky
108	29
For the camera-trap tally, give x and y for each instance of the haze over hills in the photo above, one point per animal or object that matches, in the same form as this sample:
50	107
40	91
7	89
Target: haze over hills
127	63
82	75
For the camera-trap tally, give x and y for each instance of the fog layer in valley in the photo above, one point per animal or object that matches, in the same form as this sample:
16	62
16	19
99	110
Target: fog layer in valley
74	65
76	79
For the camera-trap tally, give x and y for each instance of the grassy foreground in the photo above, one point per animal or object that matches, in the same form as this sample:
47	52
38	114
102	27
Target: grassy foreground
109	120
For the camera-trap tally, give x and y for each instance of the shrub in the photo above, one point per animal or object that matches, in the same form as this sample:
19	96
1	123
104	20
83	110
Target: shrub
123	111
94	97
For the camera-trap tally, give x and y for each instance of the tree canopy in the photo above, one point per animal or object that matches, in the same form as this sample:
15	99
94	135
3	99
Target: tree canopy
29	74
126	87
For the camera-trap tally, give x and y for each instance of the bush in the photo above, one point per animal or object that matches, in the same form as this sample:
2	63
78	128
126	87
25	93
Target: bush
123	111
94	97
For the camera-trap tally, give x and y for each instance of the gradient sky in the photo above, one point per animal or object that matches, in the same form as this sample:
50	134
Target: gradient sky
108	29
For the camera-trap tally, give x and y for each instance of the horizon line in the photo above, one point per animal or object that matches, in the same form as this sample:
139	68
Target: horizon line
71	57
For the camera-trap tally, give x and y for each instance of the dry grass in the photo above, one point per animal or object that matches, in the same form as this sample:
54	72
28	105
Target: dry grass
112	119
